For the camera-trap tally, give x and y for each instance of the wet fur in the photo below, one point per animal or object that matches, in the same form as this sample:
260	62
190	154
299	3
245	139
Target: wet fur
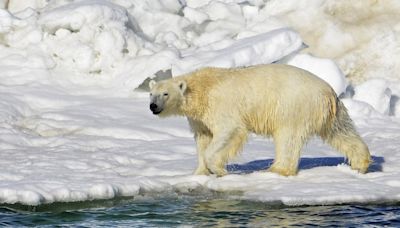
285	102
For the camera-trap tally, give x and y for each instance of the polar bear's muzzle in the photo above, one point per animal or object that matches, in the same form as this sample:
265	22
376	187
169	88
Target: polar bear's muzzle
156	104
155	108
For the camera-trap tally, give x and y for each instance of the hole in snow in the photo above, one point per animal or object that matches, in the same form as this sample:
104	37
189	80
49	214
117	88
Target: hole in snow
349	93
160	75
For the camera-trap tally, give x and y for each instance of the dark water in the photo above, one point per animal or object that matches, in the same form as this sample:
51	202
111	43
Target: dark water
191	211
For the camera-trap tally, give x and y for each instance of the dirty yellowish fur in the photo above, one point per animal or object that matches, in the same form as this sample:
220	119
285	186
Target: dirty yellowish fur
285	102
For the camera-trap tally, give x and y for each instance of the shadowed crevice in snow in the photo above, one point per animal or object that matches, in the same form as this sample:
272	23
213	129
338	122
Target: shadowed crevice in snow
305	163
394	101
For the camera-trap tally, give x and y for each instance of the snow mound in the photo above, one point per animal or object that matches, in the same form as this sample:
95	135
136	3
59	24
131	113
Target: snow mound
375	92
92	38
100	43
361	36
360	109
261	49
326	69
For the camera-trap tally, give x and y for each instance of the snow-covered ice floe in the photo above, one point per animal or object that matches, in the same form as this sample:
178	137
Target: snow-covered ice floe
101	148
72	129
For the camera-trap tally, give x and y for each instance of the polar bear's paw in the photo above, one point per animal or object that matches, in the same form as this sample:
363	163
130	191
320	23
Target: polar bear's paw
282	170
202	171
219	171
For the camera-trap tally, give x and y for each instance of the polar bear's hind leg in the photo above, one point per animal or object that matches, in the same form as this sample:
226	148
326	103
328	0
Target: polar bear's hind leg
288	145
343	137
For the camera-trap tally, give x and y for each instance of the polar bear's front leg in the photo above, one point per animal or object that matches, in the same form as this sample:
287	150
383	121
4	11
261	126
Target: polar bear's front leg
222	147
202	141
203	138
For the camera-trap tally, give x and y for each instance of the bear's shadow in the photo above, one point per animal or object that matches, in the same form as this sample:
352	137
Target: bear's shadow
305	163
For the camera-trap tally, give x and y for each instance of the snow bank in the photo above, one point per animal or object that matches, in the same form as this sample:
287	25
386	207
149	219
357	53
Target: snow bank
362	36
376	93
92	38
260	49
100	43
359	36
360	109
326	69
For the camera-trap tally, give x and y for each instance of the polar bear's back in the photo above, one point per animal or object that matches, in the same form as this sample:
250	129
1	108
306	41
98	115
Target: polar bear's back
272	76
266	96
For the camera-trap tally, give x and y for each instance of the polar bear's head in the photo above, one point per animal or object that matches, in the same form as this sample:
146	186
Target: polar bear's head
166	96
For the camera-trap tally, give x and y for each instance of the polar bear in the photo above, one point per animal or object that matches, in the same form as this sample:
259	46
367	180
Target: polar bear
290	104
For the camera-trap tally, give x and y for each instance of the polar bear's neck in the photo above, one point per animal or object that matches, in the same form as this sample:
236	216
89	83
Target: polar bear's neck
194	105
196	99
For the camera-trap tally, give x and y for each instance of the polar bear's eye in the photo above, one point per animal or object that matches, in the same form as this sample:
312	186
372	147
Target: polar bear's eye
151	94
165	94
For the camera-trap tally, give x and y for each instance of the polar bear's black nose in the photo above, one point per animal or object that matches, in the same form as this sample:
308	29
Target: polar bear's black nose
153	107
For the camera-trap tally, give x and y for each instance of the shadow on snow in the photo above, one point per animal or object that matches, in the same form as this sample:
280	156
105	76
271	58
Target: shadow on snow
305	163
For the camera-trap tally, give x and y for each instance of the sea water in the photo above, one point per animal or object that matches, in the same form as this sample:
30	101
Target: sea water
197	212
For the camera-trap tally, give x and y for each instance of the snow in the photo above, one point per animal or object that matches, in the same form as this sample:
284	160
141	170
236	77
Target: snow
326	69
72	128
261	49
375	92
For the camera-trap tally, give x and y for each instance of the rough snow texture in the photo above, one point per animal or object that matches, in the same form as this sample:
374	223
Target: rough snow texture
261	49
72	129
375	92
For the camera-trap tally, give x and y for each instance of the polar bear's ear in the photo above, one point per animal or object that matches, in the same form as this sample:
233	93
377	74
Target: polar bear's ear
151	84
182	86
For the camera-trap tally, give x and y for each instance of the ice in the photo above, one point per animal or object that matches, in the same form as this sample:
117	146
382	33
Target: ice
118	150
73	129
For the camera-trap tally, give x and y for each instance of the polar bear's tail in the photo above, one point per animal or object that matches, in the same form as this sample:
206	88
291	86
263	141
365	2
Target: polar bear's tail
343	136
